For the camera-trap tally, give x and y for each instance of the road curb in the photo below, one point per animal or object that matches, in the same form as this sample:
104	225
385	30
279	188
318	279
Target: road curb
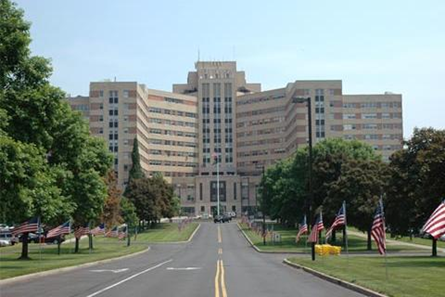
266	252
337	281
31	276
178	242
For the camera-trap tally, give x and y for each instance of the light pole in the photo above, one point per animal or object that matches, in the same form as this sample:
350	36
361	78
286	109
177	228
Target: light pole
298	99
263	206
215	156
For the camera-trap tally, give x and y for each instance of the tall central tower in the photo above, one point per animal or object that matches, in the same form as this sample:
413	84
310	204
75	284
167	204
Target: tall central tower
216	85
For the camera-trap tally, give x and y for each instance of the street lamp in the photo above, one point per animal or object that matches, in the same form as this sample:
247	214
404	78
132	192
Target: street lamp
300	99
263	206
216	157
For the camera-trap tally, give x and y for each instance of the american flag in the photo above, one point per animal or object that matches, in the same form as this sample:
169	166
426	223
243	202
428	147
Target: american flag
82	230
32	225
340	220
65	228
318	226
435	226
99	230
122	233
302	230
112	233
378	228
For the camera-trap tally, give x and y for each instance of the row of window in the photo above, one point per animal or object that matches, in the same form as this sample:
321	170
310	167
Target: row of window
172	153
172	163
171	142
172	133
262	152
260	99
367	116
172	112
373	105
260	111
260	122
172	123
261	142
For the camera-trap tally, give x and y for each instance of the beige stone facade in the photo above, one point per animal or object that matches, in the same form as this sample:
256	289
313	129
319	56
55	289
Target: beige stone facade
217	114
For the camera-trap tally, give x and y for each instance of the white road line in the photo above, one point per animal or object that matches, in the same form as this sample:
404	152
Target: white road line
183	268
110	270
128	278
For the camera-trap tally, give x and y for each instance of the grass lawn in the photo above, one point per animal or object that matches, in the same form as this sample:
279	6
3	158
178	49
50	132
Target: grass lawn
415	240
167	232
104	248
355	243
407	276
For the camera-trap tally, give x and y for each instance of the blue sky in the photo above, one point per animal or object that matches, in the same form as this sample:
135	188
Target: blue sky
373	46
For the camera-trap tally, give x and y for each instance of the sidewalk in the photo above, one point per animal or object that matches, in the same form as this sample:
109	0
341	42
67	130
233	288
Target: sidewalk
396	242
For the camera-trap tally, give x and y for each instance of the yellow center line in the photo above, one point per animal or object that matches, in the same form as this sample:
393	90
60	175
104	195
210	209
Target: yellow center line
219	235
220	251
217	280
223	282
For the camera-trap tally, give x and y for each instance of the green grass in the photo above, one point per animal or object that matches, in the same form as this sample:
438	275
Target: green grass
407	276
415	240
355	243
104	248
167	232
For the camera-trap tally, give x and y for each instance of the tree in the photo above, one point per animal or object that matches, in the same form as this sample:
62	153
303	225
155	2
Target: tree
361	185
58	167
128	212
285	187
111	214
136	169
417	183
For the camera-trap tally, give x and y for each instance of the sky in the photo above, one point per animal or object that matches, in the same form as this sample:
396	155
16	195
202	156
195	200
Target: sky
372	46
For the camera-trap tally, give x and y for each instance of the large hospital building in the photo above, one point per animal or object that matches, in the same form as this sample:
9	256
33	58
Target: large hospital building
218	111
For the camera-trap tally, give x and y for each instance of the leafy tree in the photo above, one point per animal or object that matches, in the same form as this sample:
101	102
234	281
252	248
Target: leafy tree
57	166
361	185
111	214
336	162
128	212
417	183
142	193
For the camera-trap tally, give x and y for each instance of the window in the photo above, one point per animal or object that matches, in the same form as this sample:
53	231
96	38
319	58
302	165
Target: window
214	191
369	115
113	97
234	191
203	208
369	126
101	93
126	93
348	116
349	127
200	194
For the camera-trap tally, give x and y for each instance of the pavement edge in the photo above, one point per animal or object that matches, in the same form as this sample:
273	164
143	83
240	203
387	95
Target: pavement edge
31	276
337	281
265	252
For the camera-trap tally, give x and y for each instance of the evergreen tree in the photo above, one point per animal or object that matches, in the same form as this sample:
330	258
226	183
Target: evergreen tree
136	169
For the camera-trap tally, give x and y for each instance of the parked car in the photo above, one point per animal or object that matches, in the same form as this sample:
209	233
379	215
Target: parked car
32	237
7	238
222	218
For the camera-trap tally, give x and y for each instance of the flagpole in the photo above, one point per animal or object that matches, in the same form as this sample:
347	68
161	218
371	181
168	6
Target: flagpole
384	236
346	230
40	241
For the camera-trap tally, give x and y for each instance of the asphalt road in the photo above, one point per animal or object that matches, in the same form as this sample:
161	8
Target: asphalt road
217	262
